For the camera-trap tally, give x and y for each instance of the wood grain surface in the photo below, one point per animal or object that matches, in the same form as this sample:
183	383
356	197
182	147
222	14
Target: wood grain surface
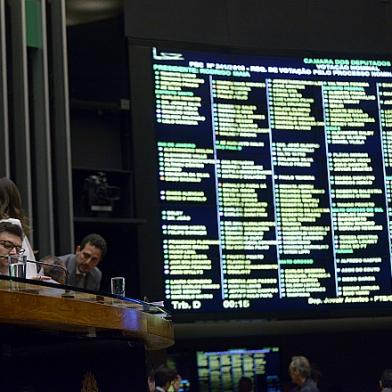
46	309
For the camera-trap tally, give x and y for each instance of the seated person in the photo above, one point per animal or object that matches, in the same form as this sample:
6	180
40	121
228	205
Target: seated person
164	377
176	383
386	381
11	238
82	265
54	268
11	211
151	381
300	372
245	384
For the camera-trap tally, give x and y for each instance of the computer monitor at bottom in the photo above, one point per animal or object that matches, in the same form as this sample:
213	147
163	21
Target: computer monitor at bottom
220	371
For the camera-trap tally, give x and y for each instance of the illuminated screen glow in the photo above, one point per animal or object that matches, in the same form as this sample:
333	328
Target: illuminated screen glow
274	182
220	371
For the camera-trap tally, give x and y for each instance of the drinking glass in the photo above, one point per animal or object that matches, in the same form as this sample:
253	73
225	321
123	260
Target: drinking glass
118	286
17	266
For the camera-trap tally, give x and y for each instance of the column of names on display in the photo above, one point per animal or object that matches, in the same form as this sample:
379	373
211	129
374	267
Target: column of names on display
249	259
187	179
357	189
385	105
301	189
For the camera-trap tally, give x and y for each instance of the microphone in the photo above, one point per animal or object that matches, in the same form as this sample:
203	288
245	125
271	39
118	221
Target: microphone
53	267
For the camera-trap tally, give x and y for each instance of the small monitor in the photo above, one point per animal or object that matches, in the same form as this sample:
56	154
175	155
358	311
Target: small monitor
221	371
185	385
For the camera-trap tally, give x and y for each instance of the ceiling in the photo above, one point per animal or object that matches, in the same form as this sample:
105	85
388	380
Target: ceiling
84	11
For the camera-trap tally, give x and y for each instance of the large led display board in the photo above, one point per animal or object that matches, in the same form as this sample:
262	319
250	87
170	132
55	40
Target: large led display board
271	181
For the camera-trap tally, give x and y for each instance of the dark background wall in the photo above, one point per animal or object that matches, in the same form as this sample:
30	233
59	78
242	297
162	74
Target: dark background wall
351	359
100	141
345	26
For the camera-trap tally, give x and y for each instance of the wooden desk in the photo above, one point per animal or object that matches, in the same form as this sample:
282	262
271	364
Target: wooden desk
78	331
44	307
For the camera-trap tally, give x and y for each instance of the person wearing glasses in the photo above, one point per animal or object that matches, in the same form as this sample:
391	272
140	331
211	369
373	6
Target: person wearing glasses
11	239
82	265
11	211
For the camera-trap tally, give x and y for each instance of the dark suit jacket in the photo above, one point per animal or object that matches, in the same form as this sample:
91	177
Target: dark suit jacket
93	278
309	386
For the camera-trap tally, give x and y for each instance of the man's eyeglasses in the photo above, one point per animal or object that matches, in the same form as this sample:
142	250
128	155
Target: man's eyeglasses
10	245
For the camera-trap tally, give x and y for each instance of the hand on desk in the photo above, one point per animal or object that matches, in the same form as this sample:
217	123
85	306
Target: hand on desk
44	278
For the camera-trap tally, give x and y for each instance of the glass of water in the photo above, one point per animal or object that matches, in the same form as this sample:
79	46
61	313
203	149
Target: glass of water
17	266
118	286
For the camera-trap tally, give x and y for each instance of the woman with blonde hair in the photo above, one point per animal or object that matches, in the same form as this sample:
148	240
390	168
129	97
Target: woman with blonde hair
11	211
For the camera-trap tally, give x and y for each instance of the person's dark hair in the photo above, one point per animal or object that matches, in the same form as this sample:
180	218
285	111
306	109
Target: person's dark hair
95	240
386	378
301	365
56	270
7	227
245	384
11	203
164	375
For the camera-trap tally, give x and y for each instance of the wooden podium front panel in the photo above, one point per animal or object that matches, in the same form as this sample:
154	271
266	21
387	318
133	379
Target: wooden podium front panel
87	365
45	307
55	339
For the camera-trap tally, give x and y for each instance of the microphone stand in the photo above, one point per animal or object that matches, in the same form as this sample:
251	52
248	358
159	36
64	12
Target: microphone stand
23	262
54	266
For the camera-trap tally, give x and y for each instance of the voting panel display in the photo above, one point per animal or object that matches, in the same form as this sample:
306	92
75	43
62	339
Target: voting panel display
274	181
